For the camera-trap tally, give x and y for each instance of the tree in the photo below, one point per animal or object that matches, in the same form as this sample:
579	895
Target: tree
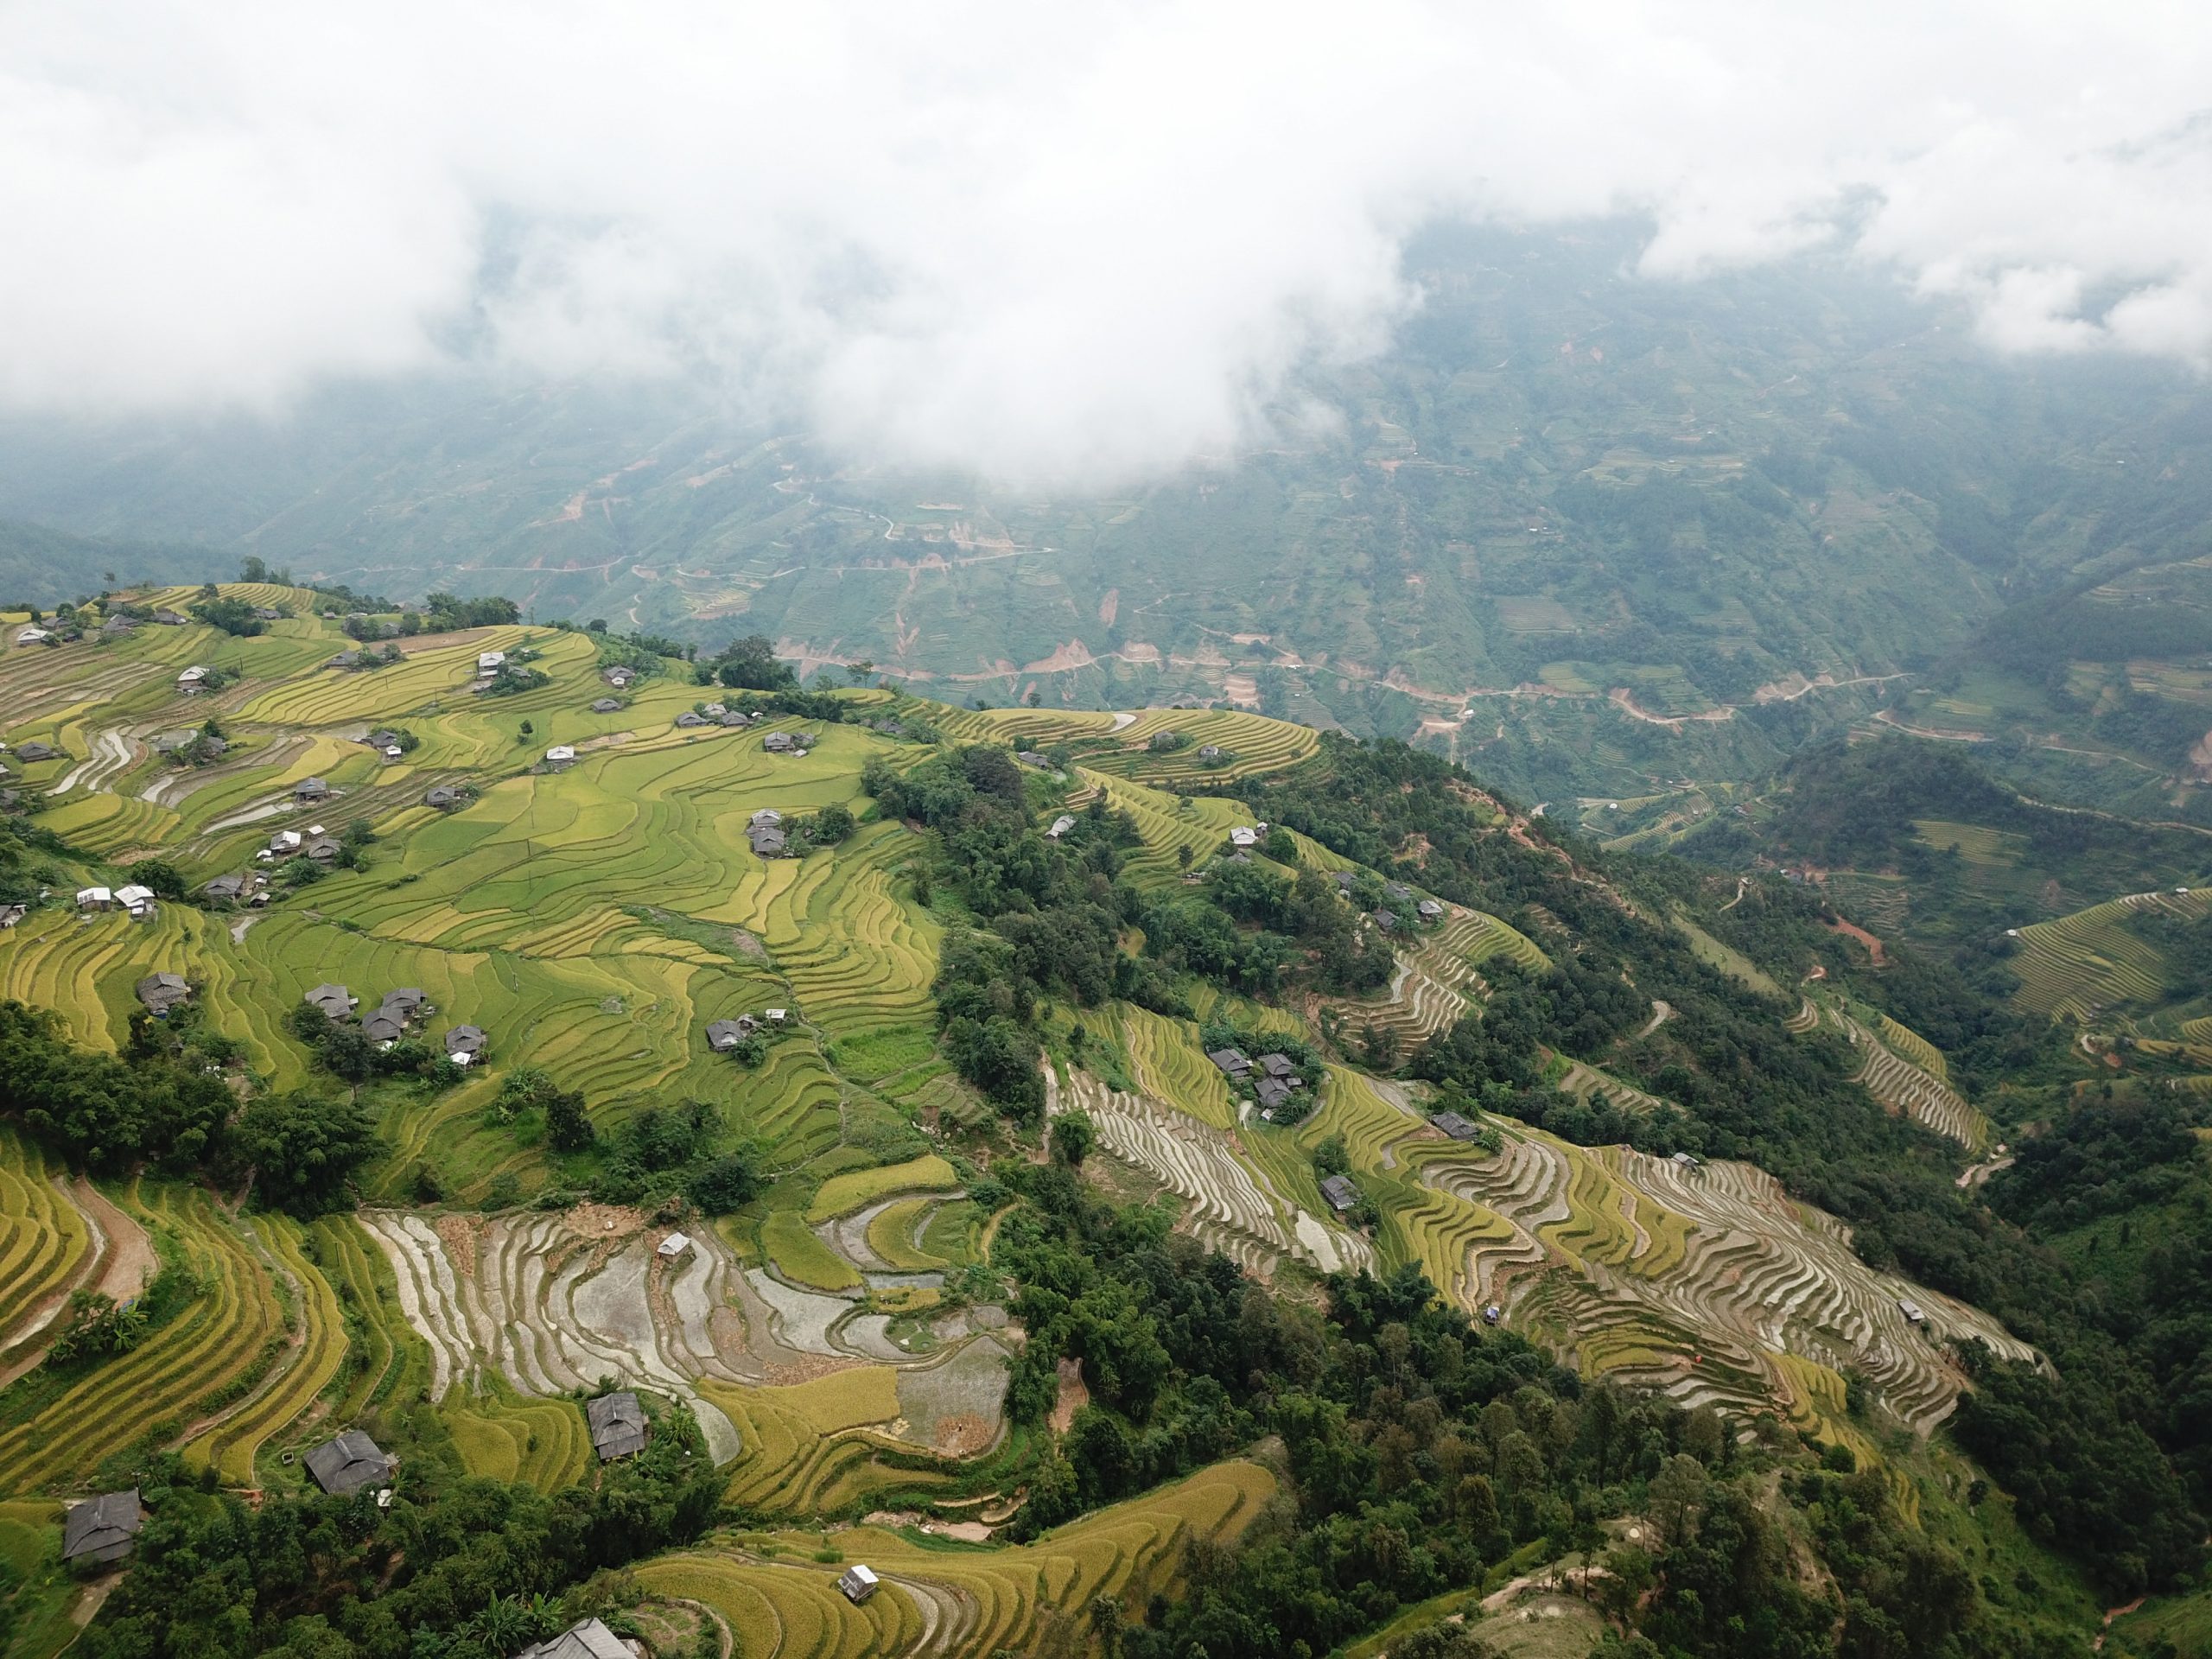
526	728
163	877
727	1182
568	1127
860	672
832	824
750	665
1073	1135
304	1148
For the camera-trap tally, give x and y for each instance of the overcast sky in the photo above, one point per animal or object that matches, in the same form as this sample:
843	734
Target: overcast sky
1044	242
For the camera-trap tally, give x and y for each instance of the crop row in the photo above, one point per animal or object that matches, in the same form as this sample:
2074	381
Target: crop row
206	1353
44	1242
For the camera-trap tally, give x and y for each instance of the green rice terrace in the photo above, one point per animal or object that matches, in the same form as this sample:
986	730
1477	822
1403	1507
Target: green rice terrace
677	1067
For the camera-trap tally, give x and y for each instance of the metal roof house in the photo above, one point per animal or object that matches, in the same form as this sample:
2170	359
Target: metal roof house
560	755
95	899
489	663
285	841
858	1582
161	992
101	1529
1061	825
1340	1192
348	1463
192	678
766	815
1243	835
1209	752
674	1245
617	1424
1231	1062
587	1638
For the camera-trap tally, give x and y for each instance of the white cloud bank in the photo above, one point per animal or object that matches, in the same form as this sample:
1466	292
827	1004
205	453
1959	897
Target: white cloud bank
1044	242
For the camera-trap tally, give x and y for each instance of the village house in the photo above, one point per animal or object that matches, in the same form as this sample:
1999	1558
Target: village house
10	914
345	659
169	619
36	636
101	1529
1244	835
464	1045
1385	919
285	841
1209	752
161	992
445	798
673	1246
1272	1093
688	719
35	750
384	1027
1429	910
348	1463
606	705
1031	758
489	663
334	1000
560	757
734	717
1279	1066
587	1638
193	678
1455	1124
324	849
116	626
858	1582
778	743
408	1002
617	1424
767	840
724	1035
138	899
1341	1193
95	899
619	676
1061	825
311	789
1233	1065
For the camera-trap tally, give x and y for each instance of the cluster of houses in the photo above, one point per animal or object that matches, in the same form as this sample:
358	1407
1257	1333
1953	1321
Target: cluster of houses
251	889
1429	910
715	714
725	1035
314	843
386	743
135	897
1273	1078
392	1017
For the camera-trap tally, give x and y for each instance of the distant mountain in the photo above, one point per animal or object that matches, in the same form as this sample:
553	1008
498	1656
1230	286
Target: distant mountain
43	567
1593	534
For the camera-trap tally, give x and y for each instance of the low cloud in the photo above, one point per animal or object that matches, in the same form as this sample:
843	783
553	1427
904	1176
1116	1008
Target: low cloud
1044	244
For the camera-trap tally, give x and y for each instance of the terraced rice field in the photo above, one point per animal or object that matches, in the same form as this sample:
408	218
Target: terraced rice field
1895	1072
1233	1208
1698	1279
1437	981
968	1603
192	1372
2077	966
45	1244
310	1359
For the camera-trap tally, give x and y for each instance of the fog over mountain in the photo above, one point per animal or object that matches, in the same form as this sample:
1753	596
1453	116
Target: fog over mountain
1050	247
